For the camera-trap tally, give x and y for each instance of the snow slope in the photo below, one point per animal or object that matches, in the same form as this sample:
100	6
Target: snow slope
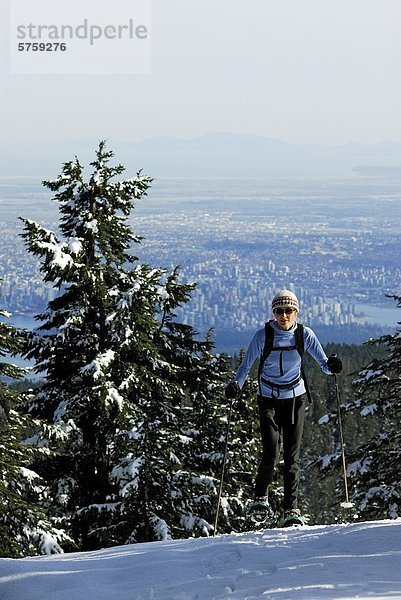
359	560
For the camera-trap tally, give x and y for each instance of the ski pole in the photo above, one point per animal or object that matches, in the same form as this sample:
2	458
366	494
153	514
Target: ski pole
347	503
224	465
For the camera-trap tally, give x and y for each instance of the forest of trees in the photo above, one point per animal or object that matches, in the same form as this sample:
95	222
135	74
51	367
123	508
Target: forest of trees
123	439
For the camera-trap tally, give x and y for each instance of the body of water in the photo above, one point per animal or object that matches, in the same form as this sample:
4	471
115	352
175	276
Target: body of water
378	315
386	317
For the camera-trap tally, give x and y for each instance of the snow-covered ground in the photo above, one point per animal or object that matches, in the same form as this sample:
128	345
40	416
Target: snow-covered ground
359	560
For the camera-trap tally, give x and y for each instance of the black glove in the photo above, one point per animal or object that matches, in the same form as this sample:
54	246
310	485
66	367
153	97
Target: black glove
334	364
232	390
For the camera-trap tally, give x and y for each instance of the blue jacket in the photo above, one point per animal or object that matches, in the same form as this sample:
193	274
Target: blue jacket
290	369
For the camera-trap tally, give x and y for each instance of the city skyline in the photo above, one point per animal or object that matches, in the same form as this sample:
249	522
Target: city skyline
339	251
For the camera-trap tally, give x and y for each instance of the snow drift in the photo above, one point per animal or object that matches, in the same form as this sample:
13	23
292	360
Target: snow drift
333	561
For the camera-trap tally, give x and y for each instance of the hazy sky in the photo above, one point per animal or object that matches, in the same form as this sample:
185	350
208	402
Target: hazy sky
326	71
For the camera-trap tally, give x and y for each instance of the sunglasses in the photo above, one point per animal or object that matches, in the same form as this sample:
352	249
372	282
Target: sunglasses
281	311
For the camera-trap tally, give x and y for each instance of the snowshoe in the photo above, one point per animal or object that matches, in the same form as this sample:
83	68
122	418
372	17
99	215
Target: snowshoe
260	512
292	518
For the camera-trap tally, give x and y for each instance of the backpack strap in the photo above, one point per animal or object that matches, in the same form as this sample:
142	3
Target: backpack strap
300	346
299	340
267	348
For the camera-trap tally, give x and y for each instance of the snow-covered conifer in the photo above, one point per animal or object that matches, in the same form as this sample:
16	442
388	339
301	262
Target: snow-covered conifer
117	365
24	528
374	467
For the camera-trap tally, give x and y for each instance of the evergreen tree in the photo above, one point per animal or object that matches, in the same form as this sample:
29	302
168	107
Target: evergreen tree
186	492
24	528
374	472
161	501
207	435
243	456
320	498
118	368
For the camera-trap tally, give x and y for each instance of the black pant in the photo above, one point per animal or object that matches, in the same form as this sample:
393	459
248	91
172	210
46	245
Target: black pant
281	420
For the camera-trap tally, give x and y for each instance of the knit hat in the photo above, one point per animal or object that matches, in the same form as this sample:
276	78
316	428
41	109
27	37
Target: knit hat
285	298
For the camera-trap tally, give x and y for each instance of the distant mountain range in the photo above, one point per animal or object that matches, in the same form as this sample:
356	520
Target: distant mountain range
210	155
